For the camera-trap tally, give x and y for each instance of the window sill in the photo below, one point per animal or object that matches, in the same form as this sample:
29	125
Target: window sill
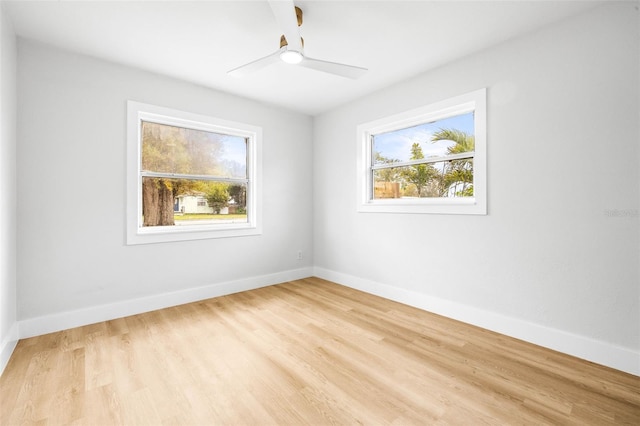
425	206
165	234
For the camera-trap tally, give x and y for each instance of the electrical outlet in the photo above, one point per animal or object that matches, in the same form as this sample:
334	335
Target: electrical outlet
300	255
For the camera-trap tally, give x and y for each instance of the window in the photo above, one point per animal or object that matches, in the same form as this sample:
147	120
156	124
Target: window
428	160
190	176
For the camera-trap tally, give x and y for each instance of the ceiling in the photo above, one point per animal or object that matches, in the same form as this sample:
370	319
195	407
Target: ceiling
199	41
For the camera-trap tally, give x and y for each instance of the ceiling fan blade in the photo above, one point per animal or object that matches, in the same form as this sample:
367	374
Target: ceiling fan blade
255	65
342	70
285	13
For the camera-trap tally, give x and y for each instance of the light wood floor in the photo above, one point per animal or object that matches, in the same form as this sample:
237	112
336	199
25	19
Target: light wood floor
304	352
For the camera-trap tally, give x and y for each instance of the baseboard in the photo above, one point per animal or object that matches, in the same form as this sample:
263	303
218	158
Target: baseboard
592	350
77	318
596	351
9	343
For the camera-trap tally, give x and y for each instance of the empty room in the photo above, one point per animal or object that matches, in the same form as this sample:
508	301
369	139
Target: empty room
278	212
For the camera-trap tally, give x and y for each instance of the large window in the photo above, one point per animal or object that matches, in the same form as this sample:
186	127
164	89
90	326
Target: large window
190	176
428	160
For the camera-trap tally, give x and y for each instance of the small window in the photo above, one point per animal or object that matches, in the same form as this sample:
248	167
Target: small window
190	176
428	160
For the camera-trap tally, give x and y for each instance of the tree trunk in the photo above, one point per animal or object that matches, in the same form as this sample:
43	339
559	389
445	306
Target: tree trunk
149	202
166	204
157	203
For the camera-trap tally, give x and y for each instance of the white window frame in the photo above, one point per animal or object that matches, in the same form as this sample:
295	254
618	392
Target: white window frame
136	233
474	101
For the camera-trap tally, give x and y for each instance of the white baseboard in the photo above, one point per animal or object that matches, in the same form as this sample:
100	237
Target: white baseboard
9	343
603	353
586	348
77	318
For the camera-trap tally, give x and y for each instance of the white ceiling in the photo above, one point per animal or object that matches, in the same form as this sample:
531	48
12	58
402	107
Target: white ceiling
199	41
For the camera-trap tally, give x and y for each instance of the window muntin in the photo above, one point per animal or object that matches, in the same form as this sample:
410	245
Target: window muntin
190	176
428	160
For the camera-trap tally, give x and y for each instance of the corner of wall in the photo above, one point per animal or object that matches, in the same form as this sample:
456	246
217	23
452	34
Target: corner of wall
7	346
8	190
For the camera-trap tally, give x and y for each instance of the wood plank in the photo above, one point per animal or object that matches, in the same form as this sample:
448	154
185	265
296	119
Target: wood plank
304	352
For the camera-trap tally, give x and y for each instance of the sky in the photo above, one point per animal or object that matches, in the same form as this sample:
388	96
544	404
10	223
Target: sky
397	144
235	149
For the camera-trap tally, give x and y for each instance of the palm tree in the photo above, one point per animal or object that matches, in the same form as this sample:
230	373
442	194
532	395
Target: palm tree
420	175
457	177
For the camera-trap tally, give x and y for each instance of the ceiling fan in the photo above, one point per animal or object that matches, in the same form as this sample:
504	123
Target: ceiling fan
289	18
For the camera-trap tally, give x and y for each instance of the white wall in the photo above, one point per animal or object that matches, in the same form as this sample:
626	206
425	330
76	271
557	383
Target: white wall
73	264
8	328
553	262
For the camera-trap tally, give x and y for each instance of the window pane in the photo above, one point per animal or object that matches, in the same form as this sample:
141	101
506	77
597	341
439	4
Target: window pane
442	179
451	135
171	149
180	202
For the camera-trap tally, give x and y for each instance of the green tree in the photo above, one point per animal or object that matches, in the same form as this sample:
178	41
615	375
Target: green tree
217	195
239	194
421	176
457	178
386	175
